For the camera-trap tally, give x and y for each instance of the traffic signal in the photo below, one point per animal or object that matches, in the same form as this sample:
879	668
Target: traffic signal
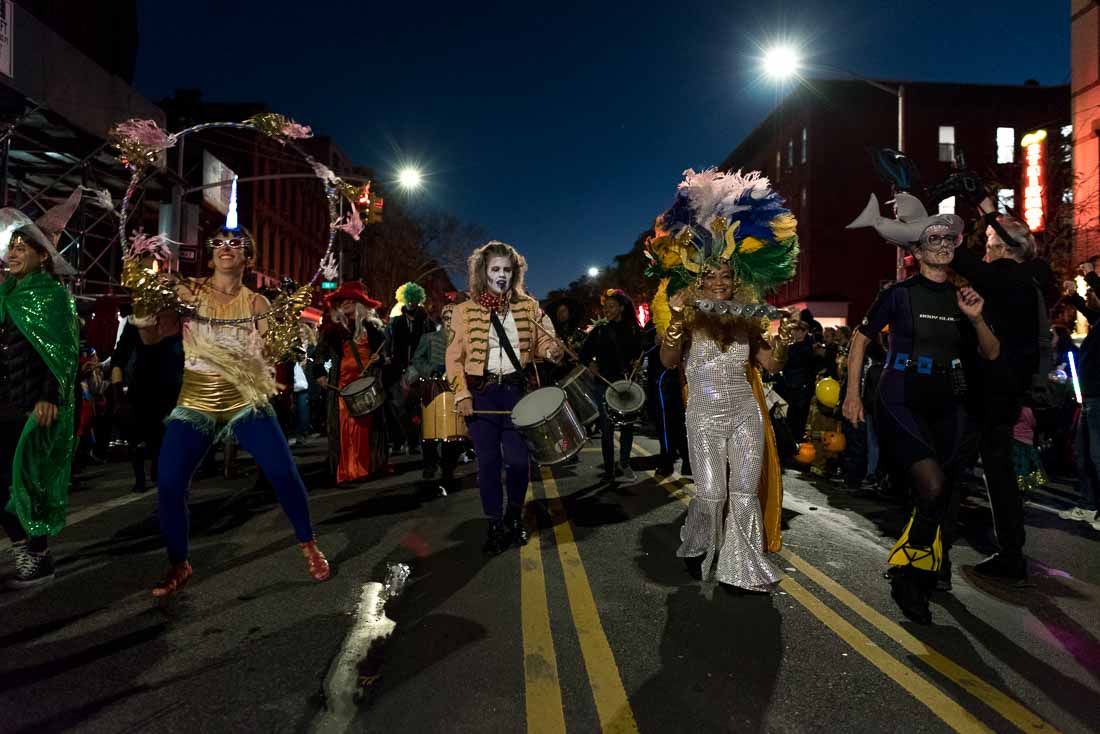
364	196
374	214
328	285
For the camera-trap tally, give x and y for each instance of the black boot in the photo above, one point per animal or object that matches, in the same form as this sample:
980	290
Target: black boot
517	532
496	540
909	588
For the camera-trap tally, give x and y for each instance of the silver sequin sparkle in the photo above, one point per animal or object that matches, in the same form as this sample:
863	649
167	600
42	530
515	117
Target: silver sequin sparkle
724	522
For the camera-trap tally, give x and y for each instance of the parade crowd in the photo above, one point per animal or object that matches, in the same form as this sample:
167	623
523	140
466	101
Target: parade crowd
965	372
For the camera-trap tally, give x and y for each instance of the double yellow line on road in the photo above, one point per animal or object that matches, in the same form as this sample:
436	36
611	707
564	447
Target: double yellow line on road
946	708
542	687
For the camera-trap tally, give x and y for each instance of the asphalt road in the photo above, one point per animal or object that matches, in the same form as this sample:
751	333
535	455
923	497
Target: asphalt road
593	626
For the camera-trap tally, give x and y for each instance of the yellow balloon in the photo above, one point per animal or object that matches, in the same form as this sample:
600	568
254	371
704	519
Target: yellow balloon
828	392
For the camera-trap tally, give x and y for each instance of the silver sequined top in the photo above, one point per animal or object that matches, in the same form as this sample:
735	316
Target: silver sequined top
719	393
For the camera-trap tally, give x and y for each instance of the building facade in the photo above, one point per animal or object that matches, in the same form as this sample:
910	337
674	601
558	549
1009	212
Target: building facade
1085	86
815	149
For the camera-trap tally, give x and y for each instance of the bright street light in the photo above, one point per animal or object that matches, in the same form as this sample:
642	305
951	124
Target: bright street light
410	178
593	272
781	62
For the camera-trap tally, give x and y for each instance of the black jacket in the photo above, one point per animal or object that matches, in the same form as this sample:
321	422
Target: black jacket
1088	368
1012	291
25	380
615	345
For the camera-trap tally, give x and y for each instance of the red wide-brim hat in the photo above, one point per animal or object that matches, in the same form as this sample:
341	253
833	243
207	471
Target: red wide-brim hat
352	290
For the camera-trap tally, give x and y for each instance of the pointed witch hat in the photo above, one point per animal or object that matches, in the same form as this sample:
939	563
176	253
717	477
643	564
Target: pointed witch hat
46	232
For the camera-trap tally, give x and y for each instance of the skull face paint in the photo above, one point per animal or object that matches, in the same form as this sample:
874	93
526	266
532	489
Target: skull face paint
498	273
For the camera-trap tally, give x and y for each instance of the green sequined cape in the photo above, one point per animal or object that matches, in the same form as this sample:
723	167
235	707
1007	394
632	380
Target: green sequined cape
42	309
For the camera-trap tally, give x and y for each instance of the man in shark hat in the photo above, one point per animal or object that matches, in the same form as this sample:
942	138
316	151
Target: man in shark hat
938	338
38	356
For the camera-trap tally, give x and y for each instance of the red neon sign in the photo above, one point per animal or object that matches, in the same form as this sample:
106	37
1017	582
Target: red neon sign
1034	184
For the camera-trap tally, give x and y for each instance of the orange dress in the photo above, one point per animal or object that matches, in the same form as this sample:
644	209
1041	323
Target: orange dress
356	453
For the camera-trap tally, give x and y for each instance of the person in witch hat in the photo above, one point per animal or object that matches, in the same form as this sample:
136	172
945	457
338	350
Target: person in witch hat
39	344
352	341
923	413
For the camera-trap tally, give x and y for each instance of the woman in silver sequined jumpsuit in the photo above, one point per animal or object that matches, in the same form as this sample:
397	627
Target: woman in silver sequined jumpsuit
724	527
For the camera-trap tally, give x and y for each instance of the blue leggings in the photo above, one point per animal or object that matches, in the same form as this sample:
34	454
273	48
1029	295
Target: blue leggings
182	451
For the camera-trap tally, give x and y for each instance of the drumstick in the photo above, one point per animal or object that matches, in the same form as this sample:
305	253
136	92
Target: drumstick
489	412
571	353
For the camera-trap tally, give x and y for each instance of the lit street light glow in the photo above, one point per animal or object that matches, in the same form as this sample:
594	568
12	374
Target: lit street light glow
593	272
781	62
410	178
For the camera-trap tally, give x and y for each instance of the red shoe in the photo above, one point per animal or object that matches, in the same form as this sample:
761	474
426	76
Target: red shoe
178	576
318	564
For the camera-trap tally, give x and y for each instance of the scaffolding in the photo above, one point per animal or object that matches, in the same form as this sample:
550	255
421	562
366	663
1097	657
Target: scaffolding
43	158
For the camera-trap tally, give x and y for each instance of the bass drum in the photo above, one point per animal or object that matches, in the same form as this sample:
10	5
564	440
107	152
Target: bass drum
548	425
625	401
581	395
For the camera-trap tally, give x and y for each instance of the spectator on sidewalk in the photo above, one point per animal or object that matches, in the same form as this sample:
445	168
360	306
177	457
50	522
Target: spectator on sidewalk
301	395
1088	426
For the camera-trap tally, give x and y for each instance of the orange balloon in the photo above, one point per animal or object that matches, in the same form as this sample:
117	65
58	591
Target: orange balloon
806	453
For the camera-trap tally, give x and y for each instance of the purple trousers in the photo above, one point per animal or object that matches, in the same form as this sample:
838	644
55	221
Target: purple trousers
497	442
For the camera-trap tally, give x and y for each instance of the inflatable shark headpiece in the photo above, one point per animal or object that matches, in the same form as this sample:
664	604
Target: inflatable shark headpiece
911	223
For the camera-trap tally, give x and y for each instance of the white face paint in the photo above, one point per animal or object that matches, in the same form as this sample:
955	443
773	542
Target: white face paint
499	274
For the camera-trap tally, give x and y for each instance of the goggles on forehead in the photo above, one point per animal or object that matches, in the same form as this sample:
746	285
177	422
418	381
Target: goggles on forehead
232	243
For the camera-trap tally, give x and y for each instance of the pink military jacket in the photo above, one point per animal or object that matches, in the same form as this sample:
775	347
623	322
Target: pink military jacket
468	352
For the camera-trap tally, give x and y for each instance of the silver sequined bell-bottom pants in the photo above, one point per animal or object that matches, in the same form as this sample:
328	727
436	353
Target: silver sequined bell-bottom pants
724	521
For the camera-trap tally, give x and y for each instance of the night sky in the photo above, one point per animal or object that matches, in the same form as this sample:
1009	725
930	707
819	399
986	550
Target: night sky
563	128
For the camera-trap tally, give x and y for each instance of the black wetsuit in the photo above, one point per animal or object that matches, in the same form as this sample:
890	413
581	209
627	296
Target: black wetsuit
922	410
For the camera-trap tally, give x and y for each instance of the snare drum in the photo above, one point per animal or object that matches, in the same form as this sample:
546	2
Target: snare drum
581	394
548	425
440	421
363	396
625	401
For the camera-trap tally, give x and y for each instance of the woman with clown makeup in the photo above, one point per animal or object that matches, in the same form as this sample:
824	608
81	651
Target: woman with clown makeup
495	337
726	241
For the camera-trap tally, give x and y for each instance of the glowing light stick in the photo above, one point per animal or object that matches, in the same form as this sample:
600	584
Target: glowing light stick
1073	373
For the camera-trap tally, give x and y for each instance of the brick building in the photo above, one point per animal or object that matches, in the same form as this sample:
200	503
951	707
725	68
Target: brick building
1085	86
814	148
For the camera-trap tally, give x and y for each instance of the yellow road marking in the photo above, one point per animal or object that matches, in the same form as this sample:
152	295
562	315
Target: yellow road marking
1012	711
540	665
936	700
1018	715
612	705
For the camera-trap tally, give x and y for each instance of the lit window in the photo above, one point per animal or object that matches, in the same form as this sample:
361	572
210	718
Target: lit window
947	206
1067	144
947	144
1006	199
1006	144
804	143
790	153
1067	195
802	203
778	164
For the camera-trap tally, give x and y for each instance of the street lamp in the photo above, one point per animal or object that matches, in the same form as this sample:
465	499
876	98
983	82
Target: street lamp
783	62
410	178
593	272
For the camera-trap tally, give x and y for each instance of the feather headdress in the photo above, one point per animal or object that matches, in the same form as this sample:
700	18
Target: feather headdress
721	217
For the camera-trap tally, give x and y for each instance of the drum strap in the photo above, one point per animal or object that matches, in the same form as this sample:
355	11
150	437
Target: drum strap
355	353
505	342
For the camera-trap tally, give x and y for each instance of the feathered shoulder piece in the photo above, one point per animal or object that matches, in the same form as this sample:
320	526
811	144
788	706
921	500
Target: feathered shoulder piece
722	217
